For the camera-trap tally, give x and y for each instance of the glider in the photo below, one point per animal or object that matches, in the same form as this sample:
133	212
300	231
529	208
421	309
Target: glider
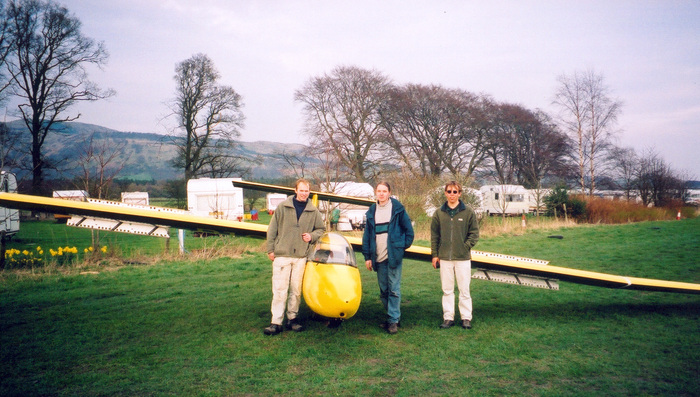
488	266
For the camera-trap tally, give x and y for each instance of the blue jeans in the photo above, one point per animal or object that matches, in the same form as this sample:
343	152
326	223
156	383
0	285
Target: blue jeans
390	289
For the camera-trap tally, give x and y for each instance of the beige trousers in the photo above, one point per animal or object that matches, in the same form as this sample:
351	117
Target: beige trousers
287	276
461	271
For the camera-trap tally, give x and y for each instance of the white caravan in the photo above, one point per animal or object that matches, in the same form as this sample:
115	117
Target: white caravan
215	197
9	218
272	200
505	199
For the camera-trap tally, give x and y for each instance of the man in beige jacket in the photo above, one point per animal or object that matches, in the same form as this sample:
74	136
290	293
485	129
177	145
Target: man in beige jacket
294	227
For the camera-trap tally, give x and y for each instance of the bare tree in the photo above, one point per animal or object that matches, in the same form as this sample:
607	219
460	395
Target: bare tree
430	129
209	118
4	52
341	114
625	166
588	115
47	69
11	156
657	183
475	135
295	162
501	146
539	150
100	163
327	175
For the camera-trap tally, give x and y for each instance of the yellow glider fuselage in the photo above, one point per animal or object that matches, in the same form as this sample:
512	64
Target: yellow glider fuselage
332	287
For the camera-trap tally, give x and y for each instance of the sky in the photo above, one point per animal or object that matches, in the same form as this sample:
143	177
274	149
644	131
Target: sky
647	51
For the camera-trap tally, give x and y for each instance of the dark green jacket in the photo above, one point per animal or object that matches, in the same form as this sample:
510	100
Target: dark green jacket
451	238
284	232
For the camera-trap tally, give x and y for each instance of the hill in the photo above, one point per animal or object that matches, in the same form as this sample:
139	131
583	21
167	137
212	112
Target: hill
147	155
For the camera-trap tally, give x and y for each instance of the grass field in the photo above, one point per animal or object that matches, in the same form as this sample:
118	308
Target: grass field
194	327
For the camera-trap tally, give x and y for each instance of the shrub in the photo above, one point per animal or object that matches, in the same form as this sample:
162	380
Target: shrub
558	202
599	210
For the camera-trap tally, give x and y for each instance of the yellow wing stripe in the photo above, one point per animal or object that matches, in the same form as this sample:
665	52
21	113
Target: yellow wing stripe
485	260
540	268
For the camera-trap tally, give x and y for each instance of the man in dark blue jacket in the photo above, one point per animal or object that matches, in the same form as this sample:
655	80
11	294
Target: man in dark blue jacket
387	235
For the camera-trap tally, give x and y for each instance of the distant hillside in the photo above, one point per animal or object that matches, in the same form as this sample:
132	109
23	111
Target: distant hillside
147	155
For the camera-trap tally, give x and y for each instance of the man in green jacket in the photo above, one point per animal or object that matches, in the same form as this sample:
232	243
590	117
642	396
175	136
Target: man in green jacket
454	230
294	227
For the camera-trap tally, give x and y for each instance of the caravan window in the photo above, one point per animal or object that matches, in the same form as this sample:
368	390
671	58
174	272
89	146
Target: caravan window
515	198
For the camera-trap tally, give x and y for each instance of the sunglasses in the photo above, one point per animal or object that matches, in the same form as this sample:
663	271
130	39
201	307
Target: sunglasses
452	191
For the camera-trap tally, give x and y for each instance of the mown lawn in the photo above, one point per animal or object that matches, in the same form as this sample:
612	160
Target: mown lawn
183	327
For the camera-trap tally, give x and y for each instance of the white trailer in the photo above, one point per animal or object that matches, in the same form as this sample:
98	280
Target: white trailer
272	200
504	199
136	198
215	197
9	218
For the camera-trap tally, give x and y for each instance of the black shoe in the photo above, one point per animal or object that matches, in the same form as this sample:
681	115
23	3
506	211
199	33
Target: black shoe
467	324
447	324
392	328
273	329
294	325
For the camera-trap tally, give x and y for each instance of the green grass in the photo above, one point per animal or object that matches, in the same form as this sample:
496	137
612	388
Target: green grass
195	328
128	247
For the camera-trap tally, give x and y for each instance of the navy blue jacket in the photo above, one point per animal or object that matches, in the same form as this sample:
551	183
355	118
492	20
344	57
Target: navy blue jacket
400	234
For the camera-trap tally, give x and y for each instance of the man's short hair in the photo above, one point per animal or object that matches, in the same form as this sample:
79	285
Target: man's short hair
455	184
301	180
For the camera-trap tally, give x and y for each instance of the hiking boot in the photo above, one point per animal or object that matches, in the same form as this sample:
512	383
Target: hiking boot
294	325
273	329
467	324
447	324
392	328
385	325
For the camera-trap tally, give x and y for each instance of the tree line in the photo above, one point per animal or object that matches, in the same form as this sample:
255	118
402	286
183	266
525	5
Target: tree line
370	126
361	126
